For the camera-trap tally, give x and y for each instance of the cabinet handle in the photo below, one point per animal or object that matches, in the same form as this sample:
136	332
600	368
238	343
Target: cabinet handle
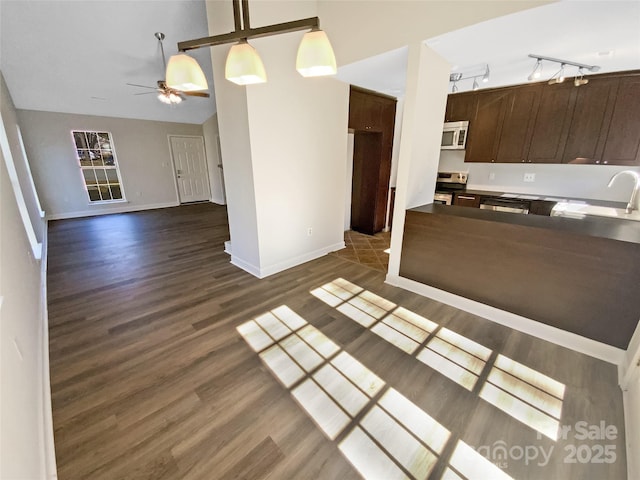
463	197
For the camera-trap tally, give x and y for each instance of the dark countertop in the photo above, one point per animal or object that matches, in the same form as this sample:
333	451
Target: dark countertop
602	227
549	198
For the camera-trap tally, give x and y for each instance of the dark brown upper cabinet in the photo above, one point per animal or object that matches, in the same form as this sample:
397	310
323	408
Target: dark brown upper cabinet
517	125
372	119
551	125
590	121
460	107
485	126
622	144
597	123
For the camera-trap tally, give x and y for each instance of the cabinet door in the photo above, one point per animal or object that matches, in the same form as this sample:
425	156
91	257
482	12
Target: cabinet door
590	121
518	124
364	187
365	111
485	126
460	107
552	123
622	146
467	200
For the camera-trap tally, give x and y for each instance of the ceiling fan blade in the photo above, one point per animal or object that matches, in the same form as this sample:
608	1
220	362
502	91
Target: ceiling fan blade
143	86
196	94
144	93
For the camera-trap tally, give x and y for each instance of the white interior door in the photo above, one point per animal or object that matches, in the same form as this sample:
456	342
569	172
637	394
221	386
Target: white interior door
190	163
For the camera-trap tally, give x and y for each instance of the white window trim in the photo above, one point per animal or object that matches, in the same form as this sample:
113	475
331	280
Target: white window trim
36	247
116	167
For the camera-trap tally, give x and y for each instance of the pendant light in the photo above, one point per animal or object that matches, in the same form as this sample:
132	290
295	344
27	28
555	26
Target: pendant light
315	56
183	73
243	65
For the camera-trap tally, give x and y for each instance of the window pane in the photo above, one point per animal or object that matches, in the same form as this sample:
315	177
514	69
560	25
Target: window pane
80	140
92	138
101	176
107	157
103	138
115	191
96	157
84	158
94	195
112	175
106	193
89	177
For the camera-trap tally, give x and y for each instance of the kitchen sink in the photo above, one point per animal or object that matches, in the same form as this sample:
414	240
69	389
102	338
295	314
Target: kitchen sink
582	210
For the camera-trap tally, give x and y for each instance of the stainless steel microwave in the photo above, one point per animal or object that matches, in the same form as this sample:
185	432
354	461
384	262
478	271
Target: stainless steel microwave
454	135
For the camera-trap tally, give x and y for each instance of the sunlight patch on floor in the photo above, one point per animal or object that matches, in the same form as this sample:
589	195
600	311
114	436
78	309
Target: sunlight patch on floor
527	395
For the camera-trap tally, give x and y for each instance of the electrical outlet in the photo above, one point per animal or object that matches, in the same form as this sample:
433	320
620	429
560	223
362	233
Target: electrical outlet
309	231
529	177
492	175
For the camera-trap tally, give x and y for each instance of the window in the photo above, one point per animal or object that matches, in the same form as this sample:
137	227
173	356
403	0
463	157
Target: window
97	158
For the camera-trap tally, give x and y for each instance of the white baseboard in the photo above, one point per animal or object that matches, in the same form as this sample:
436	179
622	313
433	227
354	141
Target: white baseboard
47	413
286	264
227	247
106	211
551	334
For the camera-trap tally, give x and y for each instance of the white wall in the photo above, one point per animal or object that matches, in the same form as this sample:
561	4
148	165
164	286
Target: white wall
424	105
26	431
360	29
235	144
216	183
575	181
142	151
290	153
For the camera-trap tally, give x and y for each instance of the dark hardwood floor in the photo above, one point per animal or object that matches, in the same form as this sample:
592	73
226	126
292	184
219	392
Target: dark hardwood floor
167	362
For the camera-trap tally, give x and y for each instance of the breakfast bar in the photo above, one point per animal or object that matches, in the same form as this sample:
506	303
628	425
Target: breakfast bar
579	275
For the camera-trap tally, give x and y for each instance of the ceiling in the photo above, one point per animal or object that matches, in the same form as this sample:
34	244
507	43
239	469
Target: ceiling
78	56
603	33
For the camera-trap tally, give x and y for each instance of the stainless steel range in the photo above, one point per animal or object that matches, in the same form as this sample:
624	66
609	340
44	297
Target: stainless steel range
447	184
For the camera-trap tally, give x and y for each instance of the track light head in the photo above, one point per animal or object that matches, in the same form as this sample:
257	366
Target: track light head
537	71
485	77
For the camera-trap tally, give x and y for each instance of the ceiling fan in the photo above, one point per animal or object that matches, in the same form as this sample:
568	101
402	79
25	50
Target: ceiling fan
166	94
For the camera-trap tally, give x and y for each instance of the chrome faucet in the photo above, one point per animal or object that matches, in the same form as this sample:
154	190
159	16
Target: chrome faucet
634	193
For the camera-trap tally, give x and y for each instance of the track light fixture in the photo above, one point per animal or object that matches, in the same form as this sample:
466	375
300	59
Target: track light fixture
579	79
478	72
485	77
537	71
559	76
243	66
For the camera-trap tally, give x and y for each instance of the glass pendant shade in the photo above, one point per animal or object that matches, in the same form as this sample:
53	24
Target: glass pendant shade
244	66
184	74
315	55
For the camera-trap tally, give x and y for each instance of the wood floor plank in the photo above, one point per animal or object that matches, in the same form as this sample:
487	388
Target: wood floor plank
151	379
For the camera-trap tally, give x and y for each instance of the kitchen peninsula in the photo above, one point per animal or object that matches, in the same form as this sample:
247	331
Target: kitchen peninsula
579	275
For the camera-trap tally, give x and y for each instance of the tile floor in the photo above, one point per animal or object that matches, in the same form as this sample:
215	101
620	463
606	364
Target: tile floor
366	250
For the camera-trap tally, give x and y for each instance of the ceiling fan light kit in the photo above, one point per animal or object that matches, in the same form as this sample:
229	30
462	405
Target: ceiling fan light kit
559	76
243	66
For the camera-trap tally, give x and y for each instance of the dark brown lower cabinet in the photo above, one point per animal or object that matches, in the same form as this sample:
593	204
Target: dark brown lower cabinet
364	188
467	200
